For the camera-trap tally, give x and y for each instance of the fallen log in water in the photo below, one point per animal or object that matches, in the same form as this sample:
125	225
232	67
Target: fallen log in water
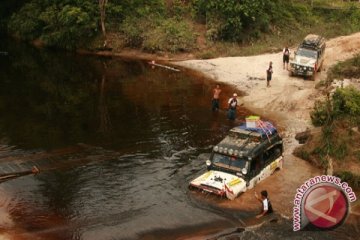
153	63
8	176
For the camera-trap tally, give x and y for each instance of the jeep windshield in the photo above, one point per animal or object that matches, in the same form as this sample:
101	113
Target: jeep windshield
229	162
306	53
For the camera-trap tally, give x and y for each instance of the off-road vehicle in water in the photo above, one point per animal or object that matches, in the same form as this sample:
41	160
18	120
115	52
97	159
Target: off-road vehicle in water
309	57
242	159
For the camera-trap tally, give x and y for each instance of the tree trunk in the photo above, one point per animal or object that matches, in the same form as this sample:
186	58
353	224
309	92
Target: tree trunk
105	122
102	7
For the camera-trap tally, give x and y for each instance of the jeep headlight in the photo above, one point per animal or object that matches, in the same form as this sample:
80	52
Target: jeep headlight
208	163
244	171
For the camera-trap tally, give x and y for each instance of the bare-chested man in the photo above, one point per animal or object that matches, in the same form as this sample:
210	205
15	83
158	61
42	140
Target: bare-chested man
215	100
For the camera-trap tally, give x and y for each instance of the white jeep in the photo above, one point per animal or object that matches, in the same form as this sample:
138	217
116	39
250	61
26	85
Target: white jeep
309	57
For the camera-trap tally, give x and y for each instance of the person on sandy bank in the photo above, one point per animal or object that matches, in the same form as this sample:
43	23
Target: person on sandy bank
232	107
286	57
269	73
266	205
215	101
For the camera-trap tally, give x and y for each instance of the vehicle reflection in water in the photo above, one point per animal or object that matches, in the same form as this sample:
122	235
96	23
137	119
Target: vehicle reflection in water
116	141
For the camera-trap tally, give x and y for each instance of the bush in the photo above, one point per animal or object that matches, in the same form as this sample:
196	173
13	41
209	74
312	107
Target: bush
25	24
171	35
156	34
347	69
320	114
346	102
67	27
349	177
229	20
64	25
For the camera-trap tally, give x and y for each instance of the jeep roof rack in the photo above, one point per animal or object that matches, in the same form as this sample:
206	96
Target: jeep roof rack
312	41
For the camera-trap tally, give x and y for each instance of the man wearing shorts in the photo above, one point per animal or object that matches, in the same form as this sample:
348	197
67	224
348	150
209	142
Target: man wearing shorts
215	100
286	56
269	73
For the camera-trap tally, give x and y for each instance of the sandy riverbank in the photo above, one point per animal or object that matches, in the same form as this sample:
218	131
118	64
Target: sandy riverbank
288	102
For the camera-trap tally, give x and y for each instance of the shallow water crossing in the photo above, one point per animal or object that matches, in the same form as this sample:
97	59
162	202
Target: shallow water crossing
116	142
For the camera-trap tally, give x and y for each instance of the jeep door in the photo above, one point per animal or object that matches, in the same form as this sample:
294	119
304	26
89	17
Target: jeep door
269	161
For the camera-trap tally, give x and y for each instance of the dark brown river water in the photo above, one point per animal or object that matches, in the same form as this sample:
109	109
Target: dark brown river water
117	143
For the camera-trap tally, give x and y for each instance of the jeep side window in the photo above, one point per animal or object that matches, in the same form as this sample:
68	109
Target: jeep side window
256	166
272	154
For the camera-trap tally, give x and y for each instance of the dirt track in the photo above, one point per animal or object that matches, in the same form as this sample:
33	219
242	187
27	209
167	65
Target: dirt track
288	101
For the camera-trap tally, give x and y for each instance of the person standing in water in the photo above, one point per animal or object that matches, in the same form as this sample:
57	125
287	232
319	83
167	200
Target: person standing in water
232	107
266	205
216	95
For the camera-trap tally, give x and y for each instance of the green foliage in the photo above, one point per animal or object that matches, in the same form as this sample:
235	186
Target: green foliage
67	26
346	102
156	34
64	24
349	177
230	19
233	20
25	24
346	69
291	16
262	25
171	35
134	30
178	9
303	155
337	116
320	114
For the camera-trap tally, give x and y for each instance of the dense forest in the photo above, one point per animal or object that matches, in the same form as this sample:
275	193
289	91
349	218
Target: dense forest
173	25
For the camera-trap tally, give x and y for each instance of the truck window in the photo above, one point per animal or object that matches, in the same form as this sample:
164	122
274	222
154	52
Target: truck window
256	166
272	154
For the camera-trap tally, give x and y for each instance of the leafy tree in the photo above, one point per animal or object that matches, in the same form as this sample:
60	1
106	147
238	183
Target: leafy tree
102	8
230	19
65	24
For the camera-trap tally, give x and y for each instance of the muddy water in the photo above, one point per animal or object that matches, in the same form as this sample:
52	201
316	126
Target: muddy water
116	142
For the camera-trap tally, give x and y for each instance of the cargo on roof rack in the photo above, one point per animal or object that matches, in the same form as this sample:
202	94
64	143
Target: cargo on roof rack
312	41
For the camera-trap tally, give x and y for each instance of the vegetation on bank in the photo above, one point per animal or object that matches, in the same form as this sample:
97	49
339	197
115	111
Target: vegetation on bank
339	119
208	28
